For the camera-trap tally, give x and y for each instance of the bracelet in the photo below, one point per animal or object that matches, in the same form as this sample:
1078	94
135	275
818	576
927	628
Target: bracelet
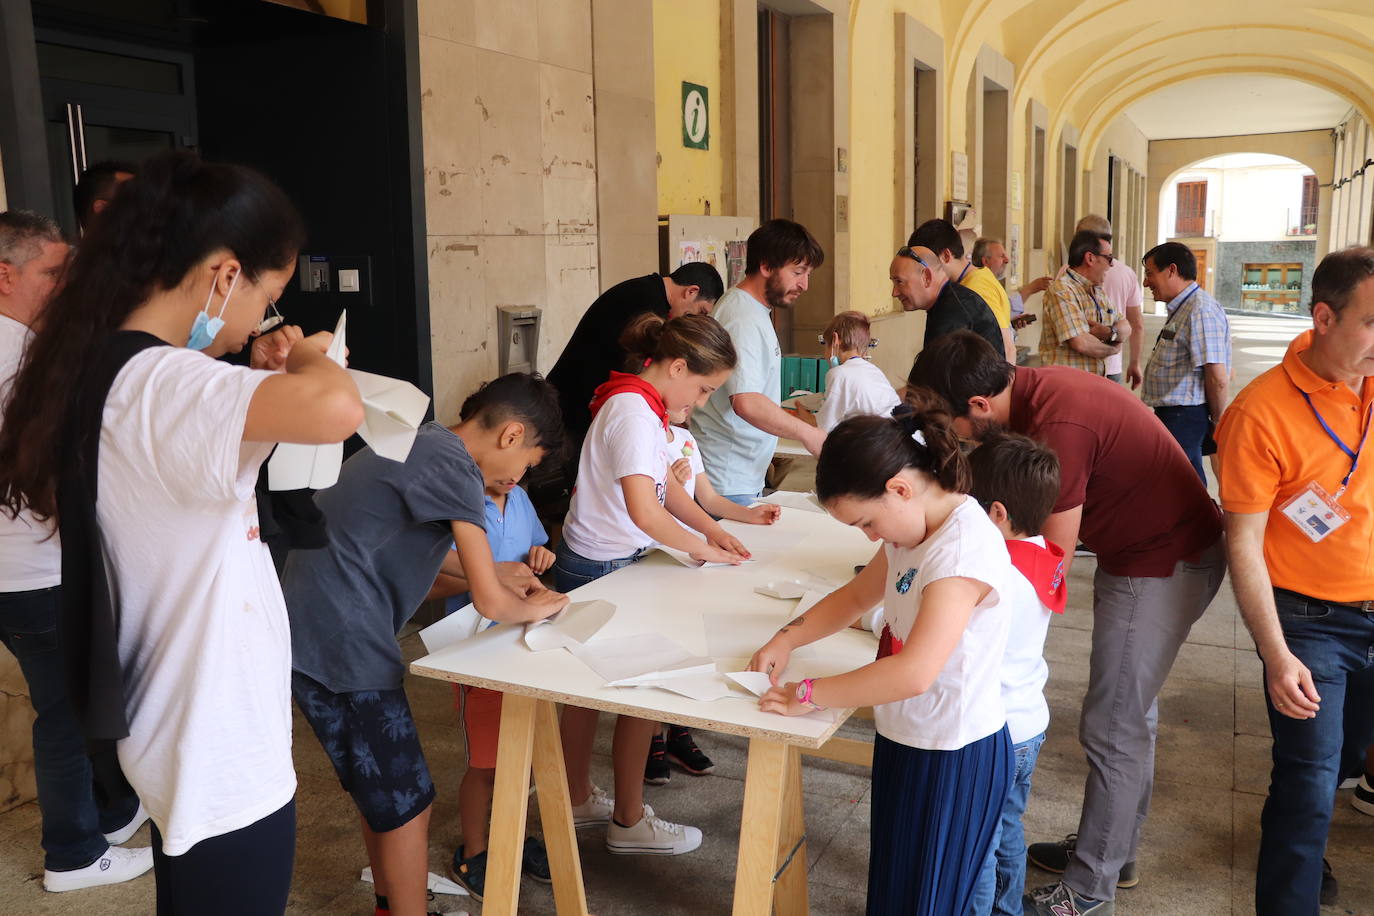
804	693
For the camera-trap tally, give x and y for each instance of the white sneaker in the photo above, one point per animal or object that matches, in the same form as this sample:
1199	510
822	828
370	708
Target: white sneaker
652	836
595	810
123	834
116	865
1363	799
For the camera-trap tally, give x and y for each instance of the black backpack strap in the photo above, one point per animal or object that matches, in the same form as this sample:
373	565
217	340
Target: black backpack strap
87	621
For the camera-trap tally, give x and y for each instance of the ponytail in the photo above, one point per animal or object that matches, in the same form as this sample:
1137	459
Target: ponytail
175	213
863	453
698	339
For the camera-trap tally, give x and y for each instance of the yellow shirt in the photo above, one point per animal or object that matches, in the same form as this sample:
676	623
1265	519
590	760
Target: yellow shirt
985	283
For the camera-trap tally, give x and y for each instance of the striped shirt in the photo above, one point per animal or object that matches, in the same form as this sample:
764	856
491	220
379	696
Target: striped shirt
1197	333
1071	305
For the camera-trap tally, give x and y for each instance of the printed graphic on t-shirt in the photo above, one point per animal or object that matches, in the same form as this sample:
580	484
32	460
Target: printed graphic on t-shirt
904	583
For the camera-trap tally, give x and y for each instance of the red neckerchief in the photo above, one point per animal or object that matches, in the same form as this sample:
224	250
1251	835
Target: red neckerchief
621	382
1044	567
887	643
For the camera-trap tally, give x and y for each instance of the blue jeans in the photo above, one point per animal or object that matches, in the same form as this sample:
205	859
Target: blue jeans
1188	425
1003	879
571	570
743	499
73	821
1335	643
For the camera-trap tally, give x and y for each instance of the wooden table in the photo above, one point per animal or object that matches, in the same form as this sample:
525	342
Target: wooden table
658	595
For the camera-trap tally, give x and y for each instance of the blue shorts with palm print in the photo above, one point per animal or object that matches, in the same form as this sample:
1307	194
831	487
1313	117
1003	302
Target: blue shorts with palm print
370	738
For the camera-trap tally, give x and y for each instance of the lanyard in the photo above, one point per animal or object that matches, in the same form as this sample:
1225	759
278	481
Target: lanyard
964	271
1178	308
1173	313
1354	456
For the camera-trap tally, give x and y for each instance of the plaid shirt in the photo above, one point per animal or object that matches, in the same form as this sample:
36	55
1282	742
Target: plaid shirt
1071	305
1197	333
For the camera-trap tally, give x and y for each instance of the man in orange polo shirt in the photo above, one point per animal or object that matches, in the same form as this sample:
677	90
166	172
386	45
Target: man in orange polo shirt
1299	505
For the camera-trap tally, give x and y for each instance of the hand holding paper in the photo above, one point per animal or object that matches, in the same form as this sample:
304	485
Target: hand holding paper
571	628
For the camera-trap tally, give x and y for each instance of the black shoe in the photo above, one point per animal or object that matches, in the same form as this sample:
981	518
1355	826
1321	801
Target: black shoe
535	861
1083	550
656	770
1330	889
471	873
683	751
1054	857
1363	799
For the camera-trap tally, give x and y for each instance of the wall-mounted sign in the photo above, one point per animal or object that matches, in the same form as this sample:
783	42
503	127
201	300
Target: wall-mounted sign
696	133
959	175
1016	194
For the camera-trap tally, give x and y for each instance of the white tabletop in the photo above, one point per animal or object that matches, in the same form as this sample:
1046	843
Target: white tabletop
791	447
659	595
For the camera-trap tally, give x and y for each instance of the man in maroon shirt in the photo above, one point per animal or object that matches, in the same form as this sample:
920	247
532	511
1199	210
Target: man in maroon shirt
1128	491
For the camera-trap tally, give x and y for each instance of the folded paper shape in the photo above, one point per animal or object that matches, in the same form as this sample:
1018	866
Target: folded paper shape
571	628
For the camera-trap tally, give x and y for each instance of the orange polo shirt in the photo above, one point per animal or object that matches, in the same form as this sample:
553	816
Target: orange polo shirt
1271	447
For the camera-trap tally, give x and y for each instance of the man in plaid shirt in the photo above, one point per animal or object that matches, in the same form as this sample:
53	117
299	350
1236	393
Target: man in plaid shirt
1081	327
1188	372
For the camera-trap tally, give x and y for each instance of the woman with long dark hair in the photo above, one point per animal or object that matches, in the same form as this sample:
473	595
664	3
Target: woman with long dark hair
146	452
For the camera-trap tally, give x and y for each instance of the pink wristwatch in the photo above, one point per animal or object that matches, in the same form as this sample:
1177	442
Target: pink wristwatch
804	693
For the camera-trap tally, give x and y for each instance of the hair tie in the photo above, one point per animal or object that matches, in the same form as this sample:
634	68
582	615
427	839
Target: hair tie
647	361
918	437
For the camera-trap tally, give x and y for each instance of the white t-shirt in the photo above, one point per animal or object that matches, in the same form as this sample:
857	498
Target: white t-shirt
204	641
855	388
29	559
965	702
1024	671
625	438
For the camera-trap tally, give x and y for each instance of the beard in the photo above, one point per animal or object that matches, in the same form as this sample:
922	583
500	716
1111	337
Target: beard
775	292
984	428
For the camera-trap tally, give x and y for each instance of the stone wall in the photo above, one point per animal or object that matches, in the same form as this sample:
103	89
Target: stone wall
1233	256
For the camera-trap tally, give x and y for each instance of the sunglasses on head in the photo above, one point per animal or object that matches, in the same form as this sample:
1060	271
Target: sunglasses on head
906	252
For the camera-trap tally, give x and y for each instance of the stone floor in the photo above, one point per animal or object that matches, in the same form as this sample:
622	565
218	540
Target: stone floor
1198	856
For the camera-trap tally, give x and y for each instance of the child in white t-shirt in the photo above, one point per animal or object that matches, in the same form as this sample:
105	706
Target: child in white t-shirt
942	758
625	502
853	386
1016	480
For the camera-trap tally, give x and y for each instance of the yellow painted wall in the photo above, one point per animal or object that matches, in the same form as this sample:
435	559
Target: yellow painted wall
687	49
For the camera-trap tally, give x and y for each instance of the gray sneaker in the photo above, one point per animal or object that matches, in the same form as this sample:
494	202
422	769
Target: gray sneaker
1058	900
1054	858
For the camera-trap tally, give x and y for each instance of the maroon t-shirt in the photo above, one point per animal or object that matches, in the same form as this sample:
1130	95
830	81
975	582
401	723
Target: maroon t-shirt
1144	508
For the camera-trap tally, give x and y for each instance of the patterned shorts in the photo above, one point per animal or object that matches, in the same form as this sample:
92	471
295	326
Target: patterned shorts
371	739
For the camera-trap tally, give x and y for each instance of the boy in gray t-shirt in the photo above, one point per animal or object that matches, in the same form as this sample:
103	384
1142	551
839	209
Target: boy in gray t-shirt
391	526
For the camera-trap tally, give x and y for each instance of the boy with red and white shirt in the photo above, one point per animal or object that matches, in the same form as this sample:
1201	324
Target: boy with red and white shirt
1016	479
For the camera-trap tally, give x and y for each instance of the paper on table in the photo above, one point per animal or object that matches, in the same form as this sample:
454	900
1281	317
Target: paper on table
757	683
629	656
702	687
689	667
461	624
809	399
808	601
686	558
788	589
791	499
392	412
741	635
570	628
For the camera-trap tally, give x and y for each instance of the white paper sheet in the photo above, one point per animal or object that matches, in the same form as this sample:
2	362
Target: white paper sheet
791	499
392	412
461	624
630	656
704	688
570	628
686	558
757	683
808	601
736	636
688	668
786	589
810	400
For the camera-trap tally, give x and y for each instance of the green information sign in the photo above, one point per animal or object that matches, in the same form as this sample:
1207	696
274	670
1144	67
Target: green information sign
695	117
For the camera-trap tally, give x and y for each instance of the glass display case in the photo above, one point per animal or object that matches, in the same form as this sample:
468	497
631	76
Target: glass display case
1272	288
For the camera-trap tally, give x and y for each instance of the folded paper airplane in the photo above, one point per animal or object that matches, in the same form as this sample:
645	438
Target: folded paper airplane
392	412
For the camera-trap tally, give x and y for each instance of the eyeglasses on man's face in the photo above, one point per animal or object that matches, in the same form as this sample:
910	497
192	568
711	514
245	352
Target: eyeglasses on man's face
1107	256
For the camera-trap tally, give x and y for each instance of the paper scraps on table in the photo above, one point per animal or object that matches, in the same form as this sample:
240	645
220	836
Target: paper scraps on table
791	499
392	413
437	884
571	628
687	560
788	589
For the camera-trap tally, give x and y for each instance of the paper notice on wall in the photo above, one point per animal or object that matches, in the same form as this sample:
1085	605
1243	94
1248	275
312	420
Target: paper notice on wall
712	253
688	252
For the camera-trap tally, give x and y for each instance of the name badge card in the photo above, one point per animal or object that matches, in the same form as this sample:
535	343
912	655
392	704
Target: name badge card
1315	513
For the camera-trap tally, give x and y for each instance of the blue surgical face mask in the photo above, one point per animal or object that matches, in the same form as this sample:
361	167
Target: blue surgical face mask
834	360
204	329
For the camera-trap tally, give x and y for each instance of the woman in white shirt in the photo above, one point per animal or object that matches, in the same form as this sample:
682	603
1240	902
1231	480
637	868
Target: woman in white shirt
942	758
854	387
188	257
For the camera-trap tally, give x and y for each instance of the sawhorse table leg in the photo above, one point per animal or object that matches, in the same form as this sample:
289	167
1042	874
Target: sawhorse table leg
772	843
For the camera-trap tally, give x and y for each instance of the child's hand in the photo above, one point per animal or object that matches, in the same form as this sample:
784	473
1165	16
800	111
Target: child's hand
764	514
682	470
711	554
723	540
540	559
783	701
772	660
544	603
518	577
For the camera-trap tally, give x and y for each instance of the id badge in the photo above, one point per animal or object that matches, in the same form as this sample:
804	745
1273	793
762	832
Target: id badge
1314	512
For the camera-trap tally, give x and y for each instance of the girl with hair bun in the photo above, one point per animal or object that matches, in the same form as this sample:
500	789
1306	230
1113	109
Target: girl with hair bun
942	760
623	505
172	620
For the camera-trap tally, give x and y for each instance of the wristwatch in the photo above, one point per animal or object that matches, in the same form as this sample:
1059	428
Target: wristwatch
804	693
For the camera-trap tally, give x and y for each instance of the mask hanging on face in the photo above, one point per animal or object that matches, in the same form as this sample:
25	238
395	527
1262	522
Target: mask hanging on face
834	361
204	329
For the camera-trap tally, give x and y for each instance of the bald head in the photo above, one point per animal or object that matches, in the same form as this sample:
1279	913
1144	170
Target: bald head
917	278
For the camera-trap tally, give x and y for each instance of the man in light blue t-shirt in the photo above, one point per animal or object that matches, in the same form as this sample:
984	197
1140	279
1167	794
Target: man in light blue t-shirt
738	428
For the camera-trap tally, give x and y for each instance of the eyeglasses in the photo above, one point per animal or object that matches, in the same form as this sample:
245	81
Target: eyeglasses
272	320
1110	257
905	252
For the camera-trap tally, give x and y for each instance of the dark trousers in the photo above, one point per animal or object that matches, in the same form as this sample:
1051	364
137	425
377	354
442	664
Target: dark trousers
1335	642
1189	426
247	871
75	815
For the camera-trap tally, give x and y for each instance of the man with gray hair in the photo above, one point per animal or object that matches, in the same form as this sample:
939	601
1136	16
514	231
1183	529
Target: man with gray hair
80	835
992	254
